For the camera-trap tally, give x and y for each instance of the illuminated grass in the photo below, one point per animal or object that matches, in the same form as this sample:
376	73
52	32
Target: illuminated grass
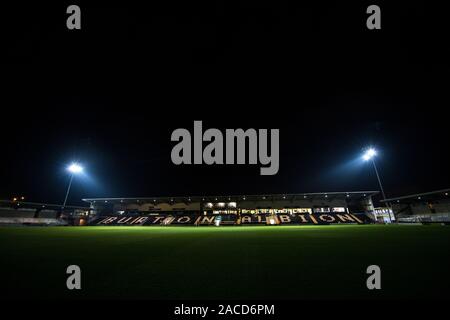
285	262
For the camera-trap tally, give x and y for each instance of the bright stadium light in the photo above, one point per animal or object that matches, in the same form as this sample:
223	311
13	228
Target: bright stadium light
74	168
369	154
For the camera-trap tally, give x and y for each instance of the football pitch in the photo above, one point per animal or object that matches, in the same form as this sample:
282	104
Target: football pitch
279	262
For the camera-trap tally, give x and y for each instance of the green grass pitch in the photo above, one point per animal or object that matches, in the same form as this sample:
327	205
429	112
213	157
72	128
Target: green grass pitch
280	262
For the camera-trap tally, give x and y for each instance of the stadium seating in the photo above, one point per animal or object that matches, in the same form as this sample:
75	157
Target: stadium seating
32	221
17	213
425	218
29	216
229	219
48	214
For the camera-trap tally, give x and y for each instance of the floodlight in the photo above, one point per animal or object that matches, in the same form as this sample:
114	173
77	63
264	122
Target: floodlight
369	154
75	168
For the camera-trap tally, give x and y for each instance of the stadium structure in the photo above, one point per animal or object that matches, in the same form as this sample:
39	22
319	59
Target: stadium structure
16	212
354	207
428	207
272	209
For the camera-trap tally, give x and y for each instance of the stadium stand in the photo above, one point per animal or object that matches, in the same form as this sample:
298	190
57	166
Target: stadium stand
30	213
428	207
272	209
48	214
223	220
17	213
32	221
292	209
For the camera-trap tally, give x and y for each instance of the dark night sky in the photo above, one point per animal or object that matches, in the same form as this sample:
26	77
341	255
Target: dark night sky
111	94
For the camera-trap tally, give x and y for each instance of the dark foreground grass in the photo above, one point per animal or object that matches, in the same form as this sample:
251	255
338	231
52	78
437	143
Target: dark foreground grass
288	262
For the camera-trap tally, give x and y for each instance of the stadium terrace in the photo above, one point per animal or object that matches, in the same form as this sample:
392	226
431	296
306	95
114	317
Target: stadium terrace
272	209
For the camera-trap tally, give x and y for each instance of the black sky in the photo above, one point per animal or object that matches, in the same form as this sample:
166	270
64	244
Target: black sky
110	95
